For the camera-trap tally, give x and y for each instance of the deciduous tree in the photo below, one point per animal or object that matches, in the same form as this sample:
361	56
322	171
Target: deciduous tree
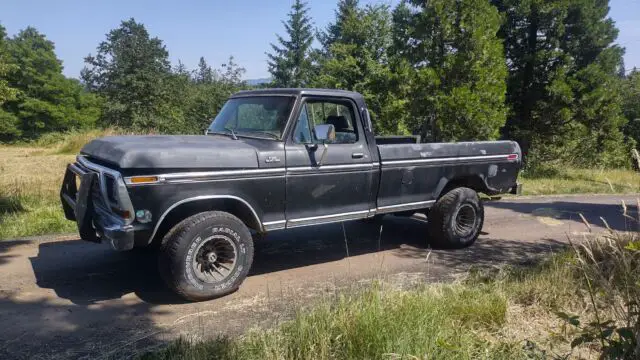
131	70
41	98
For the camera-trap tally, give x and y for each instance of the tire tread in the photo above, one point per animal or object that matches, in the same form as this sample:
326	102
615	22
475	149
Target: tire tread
173	240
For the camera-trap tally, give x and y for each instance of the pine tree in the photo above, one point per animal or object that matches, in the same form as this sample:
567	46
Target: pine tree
204	74
345	25
563	80
456	68
631	106
355	57
290	62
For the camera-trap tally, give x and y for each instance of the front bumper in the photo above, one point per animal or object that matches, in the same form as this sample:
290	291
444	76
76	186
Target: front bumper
84	203
120	237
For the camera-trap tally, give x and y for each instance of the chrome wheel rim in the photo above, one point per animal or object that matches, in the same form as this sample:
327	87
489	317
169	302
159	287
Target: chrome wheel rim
215	259
465	220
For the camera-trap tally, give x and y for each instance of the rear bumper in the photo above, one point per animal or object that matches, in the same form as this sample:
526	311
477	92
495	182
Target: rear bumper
516	189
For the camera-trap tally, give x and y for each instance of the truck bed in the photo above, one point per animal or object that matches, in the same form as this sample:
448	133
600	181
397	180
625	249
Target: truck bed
413	175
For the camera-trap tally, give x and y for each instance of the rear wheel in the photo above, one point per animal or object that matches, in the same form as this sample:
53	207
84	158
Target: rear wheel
207	255
456	219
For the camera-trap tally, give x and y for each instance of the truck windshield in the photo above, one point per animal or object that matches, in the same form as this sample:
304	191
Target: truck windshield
259	116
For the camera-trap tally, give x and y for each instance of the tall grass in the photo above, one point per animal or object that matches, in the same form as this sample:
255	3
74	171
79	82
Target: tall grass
610	265
443	322
30	182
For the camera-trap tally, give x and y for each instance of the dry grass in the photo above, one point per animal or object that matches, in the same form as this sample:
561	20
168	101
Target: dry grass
30	180
70	143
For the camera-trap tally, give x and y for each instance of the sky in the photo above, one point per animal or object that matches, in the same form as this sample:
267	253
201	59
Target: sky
214	29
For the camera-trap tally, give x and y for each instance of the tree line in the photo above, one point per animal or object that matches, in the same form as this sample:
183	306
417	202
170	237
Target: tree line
546	73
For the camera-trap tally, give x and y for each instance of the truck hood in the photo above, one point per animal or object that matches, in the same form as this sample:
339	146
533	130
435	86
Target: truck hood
172	152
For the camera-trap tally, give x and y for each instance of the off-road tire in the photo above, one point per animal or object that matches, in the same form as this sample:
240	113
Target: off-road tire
181	243
443	221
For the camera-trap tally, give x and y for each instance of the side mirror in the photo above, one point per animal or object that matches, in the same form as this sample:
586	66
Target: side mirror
324	132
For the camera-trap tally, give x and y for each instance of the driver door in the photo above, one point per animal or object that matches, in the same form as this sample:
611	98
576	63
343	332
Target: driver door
338	187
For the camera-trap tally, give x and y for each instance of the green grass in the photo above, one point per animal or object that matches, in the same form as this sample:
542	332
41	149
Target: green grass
580	181
438	322
490	315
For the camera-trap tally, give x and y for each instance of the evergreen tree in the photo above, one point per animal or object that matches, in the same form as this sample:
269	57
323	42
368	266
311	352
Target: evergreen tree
204	74
456	68
131	70
346	19
290	62
355	57
562	85
631	105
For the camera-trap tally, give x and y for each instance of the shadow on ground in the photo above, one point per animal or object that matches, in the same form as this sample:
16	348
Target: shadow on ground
104	275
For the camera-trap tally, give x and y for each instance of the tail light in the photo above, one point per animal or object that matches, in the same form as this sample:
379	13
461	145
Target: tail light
513	157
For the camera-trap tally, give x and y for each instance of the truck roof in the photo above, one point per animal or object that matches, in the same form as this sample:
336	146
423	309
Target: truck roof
299	91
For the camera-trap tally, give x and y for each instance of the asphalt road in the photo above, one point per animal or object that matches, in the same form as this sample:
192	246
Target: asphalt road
64	298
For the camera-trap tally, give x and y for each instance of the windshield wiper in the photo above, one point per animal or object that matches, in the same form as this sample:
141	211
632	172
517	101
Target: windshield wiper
229	132
273	136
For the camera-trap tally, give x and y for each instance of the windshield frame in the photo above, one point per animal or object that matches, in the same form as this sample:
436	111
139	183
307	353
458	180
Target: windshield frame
256	135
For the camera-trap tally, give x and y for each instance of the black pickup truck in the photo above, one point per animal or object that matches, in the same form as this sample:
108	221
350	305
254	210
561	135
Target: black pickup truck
274	159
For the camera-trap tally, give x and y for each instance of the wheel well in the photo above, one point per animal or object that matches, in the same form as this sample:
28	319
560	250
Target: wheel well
235	207
472	182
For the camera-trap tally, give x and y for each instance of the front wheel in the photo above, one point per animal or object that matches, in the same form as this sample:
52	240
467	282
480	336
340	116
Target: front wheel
456	219
205	256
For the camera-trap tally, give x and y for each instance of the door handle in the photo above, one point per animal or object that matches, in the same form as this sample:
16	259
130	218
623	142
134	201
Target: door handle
357	155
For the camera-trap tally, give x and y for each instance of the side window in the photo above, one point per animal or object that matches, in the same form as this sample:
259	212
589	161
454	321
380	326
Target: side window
338	113
302	132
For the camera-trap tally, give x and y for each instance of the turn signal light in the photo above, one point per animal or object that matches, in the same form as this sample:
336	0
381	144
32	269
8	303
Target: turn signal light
513	157
143	179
